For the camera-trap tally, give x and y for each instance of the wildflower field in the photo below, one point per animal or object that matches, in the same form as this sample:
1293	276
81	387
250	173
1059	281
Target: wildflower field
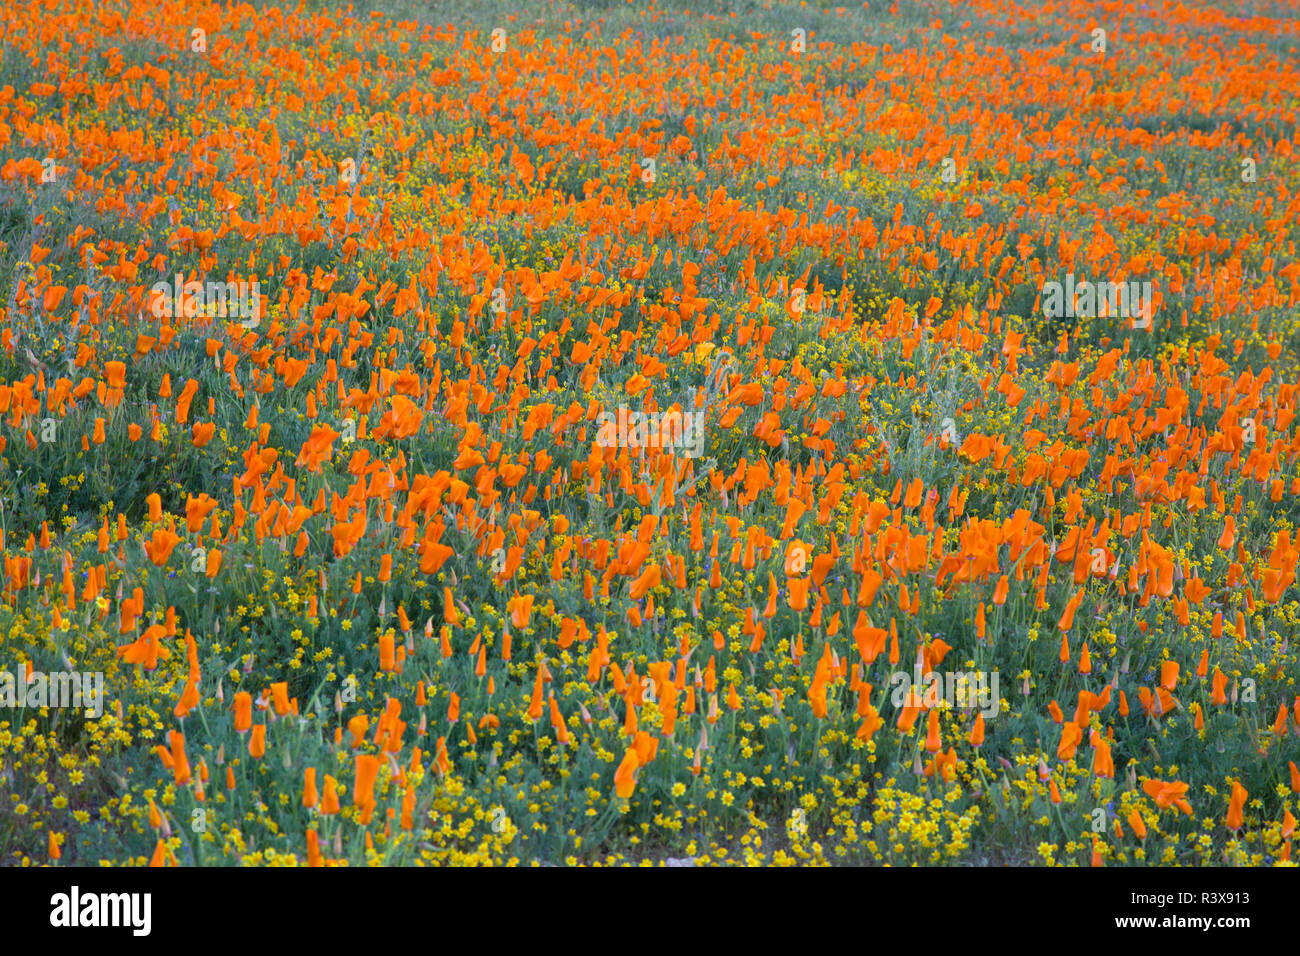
603	432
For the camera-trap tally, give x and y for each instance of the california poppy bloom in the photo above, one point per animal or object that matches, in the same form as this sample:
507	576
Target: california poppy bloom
1168	794
280	698
1235	805
625	775
243	711
257	742
363	791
